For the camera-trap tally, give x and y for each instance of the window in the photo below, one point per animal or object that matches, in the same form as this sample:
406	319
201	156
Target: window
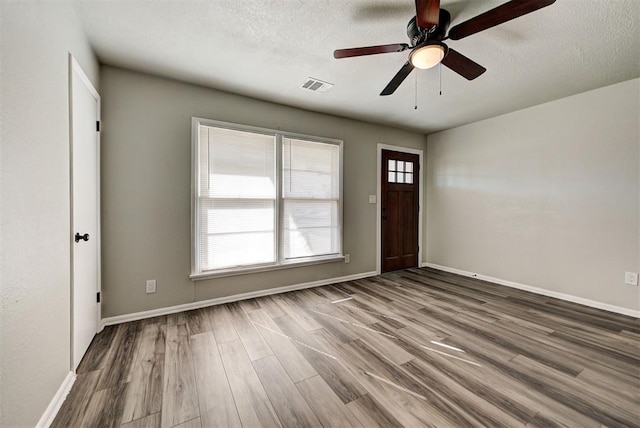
311	198
263	199
400	171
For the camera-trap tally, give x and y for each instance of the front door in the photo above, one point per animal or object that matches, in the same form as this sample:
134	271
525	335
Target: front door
85	210
400	210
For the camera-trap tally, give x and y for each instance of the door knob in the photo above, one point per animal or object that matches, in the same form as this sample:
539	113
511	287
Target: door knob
84	237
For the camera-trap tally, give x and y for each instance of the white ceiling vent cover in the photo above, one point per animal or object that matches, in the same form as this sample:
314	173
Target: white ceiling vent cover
316	85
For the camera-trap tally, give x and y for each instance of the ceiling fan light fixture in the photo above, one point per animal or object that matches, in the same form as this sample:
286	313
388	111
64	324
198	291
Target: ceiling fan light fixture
428	55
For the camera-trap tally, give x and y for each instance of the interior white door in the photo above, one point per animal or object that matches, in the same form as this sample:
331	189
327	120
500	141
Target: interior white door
85	111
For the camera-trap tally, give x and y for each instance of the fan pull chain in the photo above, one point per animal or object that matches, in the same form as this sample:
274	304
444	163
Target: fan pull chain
415	107
440	67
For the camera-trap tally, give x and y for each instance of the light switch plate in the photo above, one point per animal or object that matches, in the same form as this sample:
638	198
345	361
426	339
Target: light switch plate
631	278
373	199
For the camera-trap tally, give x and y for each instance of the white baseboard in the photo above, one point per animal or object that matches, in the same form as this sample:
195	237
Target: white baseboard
227	299
52	409
537	290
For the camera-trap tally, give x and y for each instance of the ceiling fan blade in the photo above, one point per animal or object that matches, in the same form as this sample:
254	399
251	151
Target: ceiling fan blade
462	65
370	50
503	13
397	79
427	13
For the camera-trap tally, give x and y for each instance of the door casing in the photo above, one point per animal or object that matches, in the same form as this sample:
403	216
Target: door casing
420	154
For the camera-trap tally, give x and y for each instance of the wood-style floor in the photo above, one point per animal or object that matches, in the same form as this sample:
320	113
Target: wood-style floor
412	348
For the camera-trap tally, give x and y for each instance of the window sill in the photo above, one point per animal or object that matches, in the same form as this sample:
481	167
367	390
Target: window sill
249	270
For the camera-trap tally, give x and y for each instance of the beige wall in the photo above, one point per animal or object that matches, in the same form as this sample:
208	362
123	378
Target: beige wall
547	196
34	186
146	162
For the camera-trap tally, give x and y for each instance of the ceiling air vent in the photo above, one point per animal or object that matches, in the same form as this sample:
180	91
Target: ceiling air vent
316	85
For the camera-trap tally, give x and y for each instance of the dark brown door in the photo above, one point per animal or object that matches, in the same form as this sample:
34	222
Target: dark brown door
400	210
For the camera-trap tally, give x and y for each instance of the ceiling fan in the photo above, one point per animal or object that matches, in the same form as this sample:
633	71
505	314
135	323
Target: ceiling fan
427	32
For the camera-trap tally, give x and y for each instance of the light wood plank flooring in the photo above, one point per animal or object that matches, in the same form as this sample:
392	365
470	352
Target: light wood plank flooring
411	348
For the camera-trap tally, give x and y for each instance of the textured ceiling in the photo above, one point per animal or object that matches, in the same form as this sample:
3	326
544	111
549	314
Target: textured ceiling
267	48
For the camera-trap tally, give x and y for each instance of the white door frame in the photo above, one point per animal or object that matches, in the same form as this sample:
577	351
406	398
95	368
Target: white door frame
74	67
381	147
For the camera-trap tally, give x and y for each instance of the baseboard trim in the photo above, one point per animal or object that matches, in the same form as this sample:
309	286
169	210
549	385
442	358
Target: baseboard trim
537	290
228	299
54	406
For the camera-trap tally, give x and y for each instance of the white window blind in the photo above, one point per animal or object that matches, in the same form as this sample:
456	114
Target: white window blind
310	192
263	199
237	198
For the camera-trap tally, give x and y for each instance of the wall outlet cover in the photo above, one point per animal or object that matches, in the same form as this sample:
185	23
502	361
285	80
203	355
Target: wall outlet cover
151	286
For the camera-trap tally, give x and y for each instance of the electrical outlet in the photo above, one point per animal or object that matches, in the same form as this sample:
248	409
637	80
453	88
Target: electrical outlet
631	278
151	286
347	258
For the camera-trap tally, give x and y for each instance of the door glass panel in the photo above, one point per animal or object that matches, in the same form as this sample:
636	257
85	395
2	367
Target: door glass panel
400	171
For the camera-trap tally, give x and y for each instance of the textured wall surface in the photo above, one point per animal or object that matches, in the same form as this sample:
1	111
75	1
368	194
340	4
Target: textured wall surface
548	196
146	188
34	183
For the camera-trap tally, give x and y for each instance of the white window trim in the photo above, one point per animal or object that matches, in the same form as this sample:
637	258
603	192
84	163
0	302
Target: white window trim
280	262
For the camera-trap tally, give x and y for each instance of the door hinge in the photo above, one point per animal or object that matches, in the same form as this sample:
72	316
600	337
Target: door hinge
98	297
97	126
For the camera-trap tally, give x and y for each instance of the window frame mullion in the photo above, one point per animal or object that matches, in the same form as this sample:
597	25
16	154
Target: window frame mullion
279	202
195	195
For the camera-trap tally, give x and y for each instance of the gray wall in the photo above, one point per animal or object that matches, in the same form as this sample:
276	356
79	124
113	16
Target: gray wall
35	212
547	196
146	150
